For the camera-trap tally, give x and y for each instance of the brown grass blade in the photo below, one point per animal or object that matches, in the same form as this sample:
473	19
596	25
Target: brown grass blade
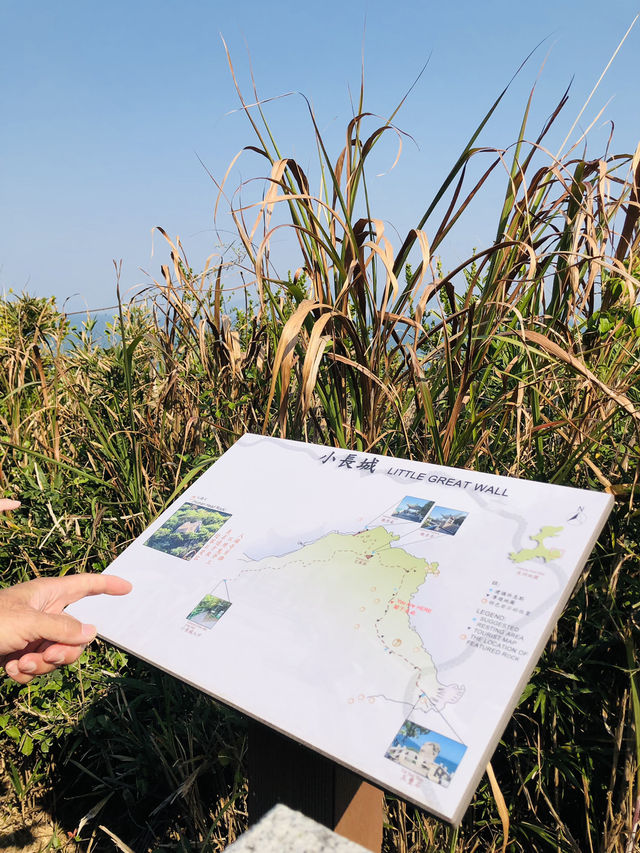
283	360
501	804
553	349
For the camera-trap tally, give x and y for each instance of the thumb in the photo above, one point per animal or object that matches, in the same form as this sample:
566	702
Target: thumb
58	628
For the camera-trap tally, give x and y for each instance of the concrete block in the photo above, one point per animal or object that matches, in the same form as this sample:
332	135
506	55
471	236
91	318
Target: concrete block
282	830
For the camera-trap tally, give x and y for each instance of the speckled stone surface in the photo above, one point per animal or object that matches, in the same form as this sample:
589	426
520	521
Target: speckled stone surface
282	830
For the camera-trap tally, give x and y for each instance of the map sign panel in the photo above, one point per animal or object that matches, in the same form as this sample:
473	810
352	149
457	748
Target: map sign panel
385	613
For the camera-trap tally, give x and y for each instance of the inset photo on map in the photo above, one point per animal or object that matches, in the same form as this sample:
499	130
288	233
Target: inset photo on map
444	520
413	509
208	611
187	530
426	752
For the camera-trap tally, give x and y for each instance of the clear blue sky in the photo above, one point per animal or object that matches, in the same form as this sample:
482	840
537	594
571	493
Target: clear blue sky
107	106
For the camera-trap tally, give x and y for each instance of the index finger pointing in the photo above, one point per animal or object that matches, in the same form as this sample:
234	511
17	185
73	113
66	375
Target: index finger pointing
72	588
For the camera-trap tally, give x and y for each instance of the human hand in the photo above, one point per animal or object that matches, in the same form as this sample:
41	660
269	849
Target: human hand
35	635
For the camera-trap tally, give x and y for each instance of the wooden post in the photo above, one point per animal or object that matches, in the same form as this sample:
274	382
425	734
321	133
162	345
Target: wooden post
358	809
280	770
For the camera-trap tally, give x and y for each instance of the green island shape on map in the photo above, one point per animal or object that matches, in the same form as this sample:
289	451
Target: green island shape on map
541	552
372	578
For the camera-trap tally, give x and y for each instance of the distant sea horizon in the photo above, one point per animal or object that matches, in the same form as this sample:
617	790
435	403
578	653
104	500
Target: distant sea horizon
101	320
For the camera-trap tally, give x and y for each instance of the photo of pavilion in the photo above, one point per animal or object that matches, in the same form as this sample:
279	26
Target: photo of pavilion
413	509
444	520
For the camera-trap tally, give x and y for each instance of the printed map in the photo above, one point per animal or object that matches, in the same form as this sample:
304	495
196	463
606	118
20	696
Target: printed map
386	613
375	585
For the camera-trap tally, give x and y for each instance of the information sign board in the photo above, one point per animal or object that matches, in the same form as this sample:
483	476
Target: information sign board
386	613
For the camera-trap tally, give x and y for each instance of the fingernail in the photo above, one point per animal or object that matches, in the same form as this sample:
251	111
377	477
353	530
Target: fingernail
29	666
56	662
88	632
11	668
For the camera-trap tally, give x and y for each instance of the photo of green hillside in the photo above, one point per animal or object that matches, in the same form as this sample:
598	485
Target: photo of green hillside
188	529
208	611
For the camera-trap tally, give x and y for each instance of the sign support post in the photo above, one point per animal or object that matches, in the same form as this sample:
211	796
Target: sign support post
283	771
